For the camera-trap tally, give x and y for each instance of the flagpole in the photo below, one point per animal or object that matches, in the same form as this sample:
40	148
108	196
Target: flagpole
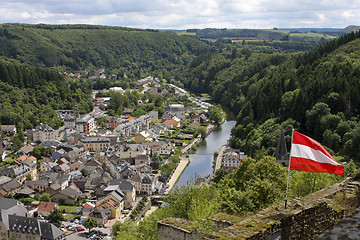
287	185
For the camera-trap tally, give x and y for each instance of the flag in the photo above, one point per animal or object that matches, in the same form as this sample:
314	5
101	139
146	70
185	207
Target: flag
308	155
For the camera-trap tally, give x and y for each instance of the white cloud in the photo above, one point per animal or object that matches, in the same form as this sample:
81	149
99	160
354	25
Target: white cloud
185	13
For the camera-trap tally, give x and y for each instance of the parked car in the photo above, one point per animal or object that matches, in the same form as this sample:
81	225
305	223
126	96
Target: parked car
79	229
76	221
69	227
40	217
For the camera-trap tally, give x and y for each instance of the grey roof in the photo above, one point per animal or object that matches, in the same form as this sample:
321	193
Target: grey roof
49	231
84	119
44	128
4	179
24	224
6	203
146	179
95	139
8	128
124	184
8	187
37	183
15	171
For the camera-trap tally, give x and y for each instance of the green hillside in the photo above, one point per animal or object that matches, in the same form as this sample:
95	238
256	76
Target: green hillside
73	47
30	95
316	92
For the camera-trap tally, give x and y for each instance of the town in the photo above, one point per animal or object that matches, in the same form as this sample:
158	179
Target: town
101	167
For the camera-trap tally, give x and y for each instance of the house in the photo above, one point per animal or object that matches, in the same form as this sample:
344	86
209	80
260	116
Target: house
128	111
69	122
85	125
142	159
24	192
8	129
165	149
147	185
15	223
3	149
232	158
127	188
203	119
143	136
114	122
154	116
58	154
47	165
45	208
172	123
95	143
179	143
176	110
11	187
194	124
44	132
63	168
68	196
195	117
100	214
113	201
17	173
27	149
38	185
135	179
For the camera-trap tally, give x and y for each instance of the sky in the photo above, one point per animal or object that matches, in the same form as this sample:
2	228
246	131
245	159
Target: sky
185	14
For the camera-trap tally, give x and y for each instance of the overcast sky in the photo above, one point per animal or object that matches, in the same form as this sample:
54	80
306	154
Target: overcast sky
184	14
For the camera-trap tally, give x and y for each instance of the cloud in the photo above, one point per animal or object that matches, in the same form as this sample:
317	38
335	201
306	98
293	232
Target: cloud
185	13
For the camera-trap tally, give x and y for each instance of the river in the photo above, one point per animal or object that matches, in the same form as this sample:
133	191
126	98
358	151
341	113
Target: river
201	162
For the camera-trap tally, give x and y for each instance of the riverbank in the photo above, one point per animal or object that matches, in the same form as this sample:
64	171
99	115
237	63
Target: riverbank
219	158
177	173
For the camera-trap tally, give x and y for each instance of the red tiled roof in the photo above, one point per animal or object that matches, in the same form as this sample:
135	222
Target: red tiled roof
47	206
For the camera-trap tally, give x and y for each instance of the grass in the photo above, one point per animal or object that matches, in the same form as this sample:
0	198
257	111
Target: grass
68	216
68	209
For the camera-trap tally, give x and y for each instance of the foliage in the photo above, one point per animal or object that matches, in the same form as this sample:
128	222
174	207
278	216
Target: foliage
30	95
90	223
84	172
155	161
139	208
201	130
317	92
124	50
45	197
253	185
56	216
8	195
167	168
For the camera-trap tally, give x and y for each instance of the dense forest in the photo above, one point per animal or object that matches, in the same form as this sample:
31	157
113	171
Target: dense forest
30	95
119	50
316	92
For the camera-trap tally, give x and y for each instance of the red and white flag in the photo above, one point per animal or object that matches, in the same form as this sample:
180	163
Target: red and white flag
308	155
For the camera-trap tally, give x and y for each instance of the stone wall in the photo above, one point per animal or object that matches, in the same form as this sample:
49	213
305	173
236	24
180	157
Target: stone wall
303	219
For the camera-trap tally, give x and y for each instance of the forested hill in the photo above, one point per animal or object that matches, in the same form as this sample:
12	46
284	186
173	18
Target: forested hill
86	46
30	95
316	92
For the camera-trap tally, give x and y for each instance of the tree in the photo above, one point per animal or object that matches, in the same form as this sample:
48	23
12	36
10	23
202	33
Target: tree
84	172
155	161
56	216
201	130
8	195
45	197
90	222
